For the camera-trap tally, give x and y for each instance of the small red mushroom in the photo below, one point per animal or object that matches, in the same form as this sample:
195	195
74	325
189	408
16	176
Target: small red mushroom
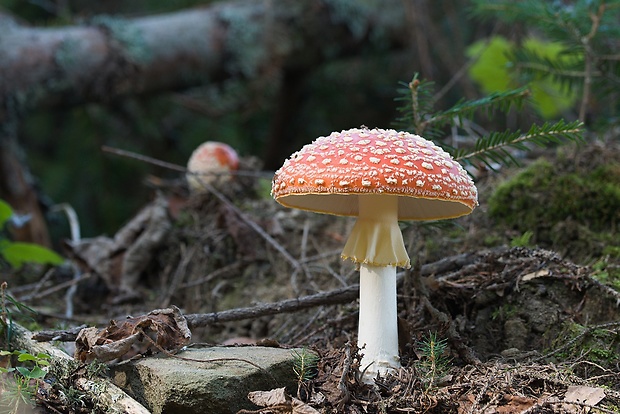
379	176
208	162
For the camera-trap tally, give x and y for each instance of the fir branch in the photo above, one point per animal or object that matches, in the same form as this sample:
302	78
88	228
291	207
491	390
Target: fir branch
494	101
493	148
566	65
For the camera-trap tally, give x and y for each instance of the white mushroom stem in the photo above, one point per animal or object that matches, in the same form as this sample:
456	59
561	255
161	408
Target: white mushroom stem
377	244
378	326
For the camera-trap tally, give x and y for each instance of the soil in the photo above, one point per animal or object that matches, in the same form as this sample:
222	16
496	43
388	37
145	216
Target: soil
484	328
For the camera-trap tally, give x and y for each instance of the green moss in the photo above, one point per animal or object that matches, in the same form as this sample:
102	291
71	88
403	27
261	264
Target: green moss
575	211
606	272
599	346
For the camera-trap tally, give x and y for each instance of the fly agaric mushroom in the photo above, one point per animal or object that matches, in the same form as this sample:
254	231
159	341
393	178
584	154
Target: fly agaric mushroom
379	176
208	162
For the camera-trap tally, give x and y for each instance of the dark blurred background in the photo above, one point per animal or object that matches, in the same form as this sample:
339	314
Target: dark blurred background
267	114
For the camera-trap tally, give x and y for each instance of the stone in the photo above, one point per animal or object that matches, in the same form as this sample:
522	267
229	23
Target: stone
206	380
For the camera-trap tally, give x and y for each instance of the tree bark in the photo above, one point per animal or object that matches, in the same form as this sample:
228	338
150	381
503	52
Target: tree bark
16	188
110	57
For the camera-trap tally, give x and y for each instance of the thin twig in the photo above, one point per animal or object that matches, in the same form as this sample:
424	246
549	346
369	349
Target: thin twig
56	288
258	229
178	168
334	297
179	273
213	275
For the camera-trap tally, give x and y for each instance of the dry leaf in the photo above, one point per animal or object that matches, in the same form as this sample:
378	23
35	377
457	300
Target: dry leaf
278	401
515	404
583	394
270	398
166	330
535	275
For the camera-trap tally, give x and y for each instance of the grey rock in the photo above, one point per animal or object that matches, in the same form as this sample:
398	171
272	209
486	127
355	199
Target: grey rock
219	383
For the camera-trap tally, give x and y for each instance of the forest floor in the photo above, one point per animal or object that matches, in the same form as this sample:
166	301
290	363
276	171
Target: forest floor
484	327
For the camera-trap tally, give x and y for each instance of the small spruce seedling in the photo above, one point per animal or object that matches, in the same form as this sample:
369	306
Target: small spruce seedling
304	367
433	363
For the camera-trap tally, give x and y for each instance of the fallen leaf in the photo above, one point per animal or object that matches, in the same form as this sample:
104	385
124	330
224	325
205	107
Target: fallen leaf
583	394
161	329
515	404
278	401
270	398
535	275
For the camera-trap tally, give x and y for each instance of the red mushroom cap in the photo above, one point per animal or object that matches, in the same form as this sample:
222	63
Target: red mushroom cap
209	159
324	174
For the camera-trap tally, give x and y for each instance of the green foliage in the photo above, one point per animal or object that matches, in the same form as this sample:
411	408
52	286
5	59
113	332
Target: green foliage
493	147
597	346
5	213
494	71
18	384
17	254
605	271
434	362
581	52
524	240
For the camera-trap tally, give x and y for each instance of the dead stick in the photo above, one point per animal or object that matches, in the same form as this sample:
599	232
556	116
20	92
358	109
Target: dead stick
333	297
258	229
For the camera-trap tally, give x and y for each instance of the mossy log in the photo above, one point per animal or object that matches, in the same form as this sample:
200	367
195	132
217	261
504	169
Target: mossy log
108	57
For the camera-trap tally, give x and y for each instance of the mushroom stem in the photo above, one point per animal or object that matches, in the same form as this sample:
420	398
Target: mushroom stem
376	242
378	326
